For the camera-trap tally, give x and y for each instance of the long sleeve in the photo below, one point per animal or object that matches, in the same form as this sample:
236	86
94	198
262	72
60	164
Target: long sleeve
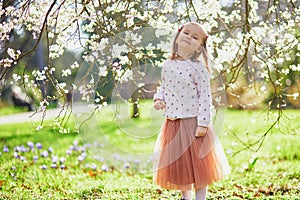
159	94
161	89
202	82
185	89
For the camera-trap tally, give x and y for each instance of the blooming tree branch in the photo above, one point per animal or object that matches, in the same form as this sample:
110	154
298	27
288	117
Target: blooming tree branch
255	46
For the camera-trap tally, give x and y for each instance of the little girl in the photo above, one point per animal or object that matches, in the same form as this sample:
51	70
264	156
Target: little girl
189	152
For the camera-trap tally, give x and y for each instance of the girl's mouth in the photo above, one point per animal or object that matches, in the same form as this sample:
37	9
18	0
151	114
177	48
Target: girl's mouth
186	41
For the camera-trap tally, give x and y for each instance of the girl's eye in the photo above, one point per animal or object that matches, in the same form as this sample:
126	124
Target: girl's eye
186	33
195	38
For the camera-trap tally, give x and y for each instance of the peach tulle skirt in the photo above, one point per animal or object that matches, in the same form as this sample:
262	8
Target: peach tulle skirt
182	161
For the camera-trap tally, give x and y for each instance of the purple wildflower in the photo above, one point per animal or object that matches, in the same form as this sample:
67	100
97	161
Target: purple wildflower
53	166
68	151
81	149
17	149
14	176
81	158
126	165
50	150
22	158
16	155
74	148
137	162
35	158
62	160
5	149
44	167
94	166
25	149
44	154
104	168
39	145
14	168
62	166
21	149
30	144
54	159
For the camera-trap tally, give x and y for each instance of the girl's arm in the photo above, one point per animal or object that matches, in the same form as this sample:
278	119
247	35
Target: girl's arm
159	95
202	81
159	103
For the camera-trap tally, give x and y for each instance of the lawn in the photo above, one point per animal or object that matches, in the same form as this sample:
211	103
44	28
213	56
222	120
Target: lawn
11	110
111	158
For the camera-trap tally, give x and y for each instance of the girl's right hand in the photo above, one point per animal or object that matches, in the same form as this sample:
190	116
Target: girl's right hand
159	104
201	131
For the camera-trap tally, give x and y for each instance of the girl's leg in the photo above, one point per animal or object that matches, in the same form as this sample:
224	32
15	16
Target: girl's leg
186	195
201	193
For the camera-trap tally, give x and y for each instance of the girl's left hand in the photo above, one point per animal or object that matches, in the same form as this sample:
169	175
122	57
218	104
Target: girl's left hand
201	131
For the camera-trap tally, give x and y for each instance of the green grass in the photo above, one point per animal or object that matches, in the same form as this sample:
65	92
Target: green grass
11	110
8	110
271	172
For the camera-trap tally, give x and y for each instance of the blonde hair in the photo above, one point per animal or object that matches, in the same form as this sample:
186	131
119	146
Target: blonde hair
196	56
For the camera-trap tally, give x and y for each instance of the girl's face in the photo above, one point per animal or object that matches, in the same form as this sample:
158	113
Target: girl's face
189	40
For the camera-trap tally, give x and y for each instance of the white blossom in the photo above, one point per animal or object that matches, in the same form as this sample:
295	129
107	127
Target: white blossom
162	32
268	45
55	51
124	60
6	62
11	53
295	68
39	75
126	76
44	103
118	49
103	71
75	65
295	95
39	127
26	78
16	77
89	58
65	72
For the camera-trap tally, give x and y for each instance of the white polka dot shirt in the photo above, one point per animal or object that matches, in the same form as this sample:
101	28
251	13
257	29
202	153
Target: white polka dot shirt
185	89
